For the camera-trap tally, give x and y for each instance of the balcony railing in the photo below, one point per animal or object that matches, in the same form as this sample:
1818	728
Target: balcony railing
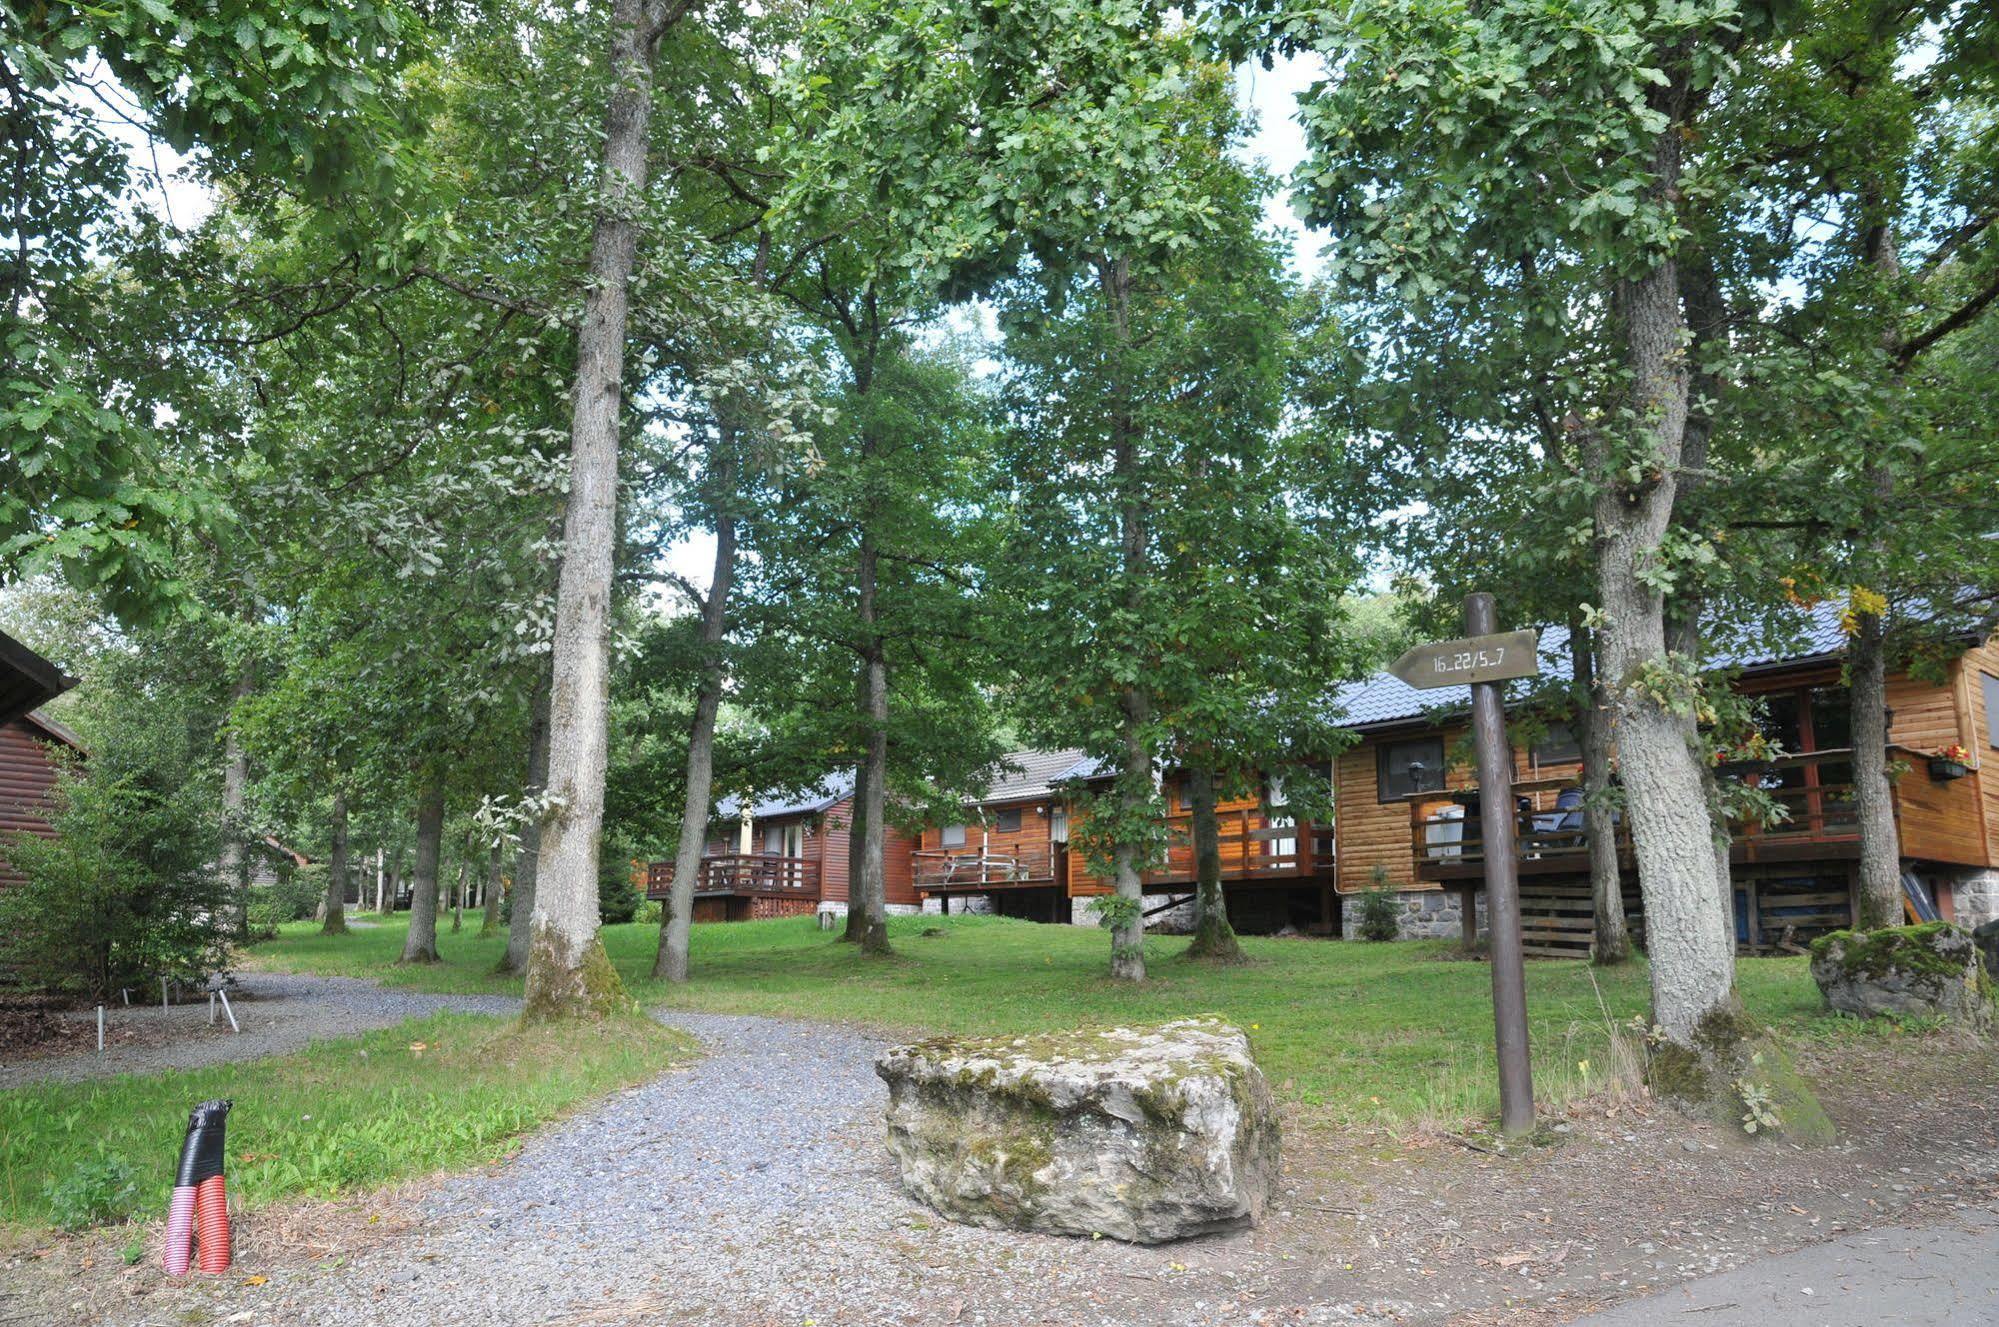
758	873
1813	788
971	867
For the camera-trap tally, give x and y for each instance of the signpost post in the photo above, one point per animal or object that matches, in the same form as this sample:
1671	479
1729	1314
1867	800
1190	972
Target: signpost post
1484	660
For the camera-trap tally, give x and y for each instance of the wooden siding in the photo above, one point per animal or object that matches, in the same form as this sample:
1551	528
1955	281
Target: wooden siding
1032	846
1372	832
1248	846
1955	823
1974	736
27	774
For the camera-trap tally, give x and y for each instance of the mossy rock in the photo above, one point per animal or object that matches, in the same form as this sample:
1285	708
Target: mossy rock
1145	1134
1925	971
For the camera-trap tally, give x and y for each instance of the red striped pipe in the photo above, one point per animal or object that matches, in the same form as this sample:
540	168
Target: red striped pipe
211	1223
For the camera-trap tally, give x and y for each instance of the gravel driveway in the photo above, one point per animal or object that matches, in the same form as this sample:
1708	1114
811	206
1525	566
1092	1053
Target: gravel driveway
278	1012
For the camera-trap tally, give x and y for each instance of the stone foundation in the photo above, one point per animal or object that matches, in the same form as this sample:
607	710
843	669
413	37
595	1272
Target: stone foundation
1975	897
1420	914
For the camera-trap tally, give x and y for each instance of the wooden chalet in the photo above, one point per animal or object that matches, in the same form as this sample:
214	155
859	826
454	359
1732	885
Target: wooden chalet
29	740
1408	811
784	857
1013	849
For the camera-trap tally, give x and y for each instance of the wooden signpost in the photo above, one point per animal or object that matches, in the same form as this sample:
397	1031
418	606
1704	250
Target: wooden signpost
1484	660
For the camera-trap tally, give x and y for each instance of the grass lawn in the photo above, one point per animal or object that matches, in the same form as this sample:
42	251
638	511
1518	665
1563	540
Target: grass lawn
358	1111
1355	1031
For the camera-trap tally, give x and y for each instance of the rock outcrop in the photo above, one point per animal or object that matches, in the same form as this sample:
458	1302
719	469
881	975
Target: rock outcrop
1140	1134
1920	971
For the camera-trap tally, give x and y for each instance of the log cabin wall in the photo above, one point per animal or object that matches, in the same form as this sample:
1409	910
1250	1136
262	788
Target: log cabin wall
1977	681
1236	816
1371	832
27	780
1032	844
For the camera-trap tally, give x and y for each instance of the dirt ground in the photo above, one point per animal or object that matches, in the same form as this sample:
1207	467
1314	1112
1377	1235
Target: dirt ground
1426	1226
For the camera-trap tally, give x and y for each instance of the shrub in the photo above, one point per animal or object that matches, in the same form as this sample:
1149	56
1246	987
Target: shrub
1378	910
99	1192
618	899
127	891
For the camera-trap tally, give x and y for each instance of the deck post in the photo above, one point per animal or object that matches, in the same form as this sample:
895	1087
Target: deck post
1502	886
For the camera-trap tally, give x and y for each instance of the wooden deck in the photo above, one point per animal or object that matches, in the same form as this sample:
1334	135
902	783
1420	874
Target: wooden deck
743	874
1252	851
984	870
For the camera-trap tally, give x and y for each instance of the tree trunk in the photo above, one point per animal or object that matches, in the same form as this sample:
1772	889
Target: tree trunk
528	859
568	974
235	862
421	944
336	871
1612	942
496	884
458	901
1672	832
856	929
1880	901
1134	701
675	926
1214	938
869	893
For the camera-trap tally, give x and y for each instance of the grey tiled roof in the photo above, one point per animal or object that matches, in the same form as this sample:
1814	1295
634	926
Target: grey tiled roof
1804	635
834	788
1028	774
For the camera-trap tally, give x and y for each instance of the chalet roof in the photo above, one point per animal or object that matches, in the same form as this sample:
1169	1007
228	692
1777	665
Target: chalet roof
834	788
1022	775
27	680
1807	636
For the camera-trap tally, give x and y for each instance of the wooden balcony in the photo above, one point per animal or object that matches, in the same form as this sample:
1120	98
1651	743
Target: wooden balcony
974	870
746	874
1253	851
1813	789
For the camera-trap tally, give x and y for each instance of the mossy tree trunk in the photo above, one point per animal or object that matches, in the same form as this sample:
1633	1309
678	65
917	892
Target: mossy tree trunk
1611	943
527	859
496	883
336	870
1214	938
420	944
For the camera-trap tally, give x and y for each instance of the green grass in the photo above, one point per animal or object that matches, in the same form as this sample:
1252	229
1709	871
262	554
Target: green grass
1353	1031
343	1114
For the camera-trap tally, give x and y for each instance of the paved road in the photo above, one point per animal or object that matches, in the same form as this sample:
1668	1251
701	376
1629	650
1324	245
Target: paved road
1946	1274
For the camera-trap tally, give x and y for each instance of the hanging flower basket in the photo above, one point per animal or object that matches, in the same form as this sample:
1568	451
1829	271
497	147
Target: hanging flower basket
1943	770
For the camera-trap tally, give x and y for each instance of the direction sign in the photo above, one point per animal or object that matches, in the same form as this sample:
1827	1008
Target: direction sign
1454	663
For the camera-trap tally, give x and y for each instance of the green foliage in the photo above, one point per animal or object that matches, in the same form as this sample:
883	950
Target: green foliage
1379	911
127	891
97	1191
618	899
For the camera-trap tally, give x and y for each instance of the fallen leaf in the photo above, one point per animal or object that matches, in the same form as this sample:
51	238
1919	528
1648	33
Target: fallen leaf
256	1280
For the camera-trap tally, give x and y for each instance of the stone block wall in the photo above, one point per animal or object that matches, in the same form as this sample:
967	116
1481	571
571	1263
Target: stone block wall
1975	896
1421	914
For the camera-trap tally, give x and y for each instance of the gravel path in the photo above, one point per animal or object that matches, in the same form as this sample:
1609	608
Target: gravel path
278	1012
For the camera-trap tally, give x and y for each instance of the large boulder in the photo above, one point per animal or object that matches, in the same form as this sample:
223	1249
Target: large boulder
1142	1134
1927	970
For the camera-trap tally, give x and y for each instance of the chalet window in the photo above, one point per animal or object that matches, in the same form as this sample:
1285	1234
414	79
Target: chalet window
1414	766
1991	686
953	836
1058	825
1558	746
1007	822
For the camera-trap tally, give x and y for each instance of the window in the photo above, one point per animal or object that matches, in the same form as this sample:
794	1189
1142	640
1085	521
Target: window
1007	822
1991	686
1414	766
1058	825
1558	746
785	840
953	836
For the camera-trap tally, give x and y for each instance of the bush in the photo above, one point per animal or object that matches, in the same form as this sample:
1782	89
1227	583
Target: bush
99	1192
651	912
127	891
618	899
1378	910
